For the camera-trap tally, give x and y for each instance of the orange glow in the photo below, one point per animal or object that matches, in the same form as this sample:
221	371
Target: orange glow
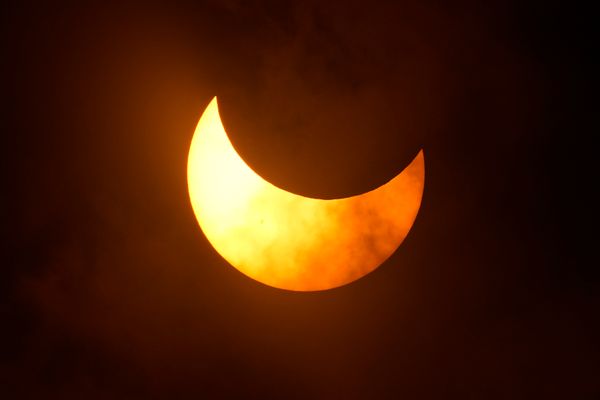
286	240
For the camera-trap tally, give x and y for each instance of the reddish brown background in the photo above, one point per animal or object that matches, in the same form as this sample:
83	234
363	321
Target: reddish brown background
111	291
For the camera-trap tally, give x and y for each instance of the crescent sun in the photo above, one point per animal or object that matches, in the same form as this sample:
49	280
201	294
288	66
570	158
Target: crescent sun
286	240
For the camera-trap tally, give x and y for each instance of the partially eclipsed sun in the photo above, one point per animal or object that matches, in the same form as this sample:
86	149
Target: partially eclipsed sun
286	240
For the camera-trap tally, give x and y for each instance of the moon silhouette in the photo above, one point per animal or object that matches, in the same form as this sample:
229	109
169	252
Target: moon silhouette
286	240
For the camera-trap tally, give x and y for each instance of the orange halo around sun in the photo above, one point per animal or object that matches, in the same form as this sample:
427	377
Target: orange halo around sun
286	240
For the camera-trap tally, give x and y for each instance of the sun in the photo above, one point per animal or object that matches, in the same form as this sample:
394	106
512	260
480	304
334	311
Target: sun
286	240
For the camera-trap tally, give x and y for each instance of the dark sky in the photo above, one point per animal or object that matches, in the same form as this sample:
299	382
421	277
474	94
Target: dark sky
111	291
